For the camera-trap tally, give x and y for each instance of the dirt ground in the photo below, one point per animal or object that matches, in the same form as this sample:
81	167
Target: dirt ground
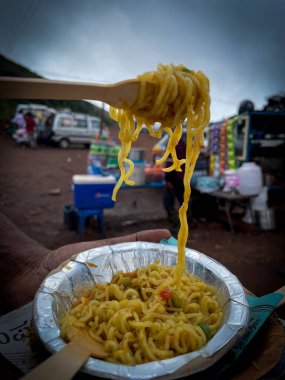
36	184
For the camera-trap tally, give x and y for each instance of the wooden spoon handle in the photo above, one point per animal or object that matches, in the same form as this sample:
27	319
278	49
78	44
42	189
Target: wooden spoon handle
31	88
120	95
62	365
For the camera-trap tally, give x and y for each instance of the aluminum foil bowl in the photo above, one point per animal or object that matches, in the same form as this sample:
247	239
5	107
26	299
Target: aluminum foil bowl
62	287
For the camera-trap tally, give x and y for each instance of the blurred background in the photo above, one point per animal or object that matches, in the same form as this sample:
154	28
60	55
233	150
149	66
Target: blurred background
238	44
59	158
237	205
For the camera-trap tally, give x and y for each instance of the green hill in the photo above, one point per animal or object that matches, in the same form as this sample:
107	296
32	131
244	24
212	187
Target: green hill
8	107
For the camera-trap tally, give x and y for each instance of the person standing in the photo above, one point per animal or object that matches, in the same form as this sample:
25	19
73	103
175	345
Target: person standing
18	122
40	130
31	129
174	186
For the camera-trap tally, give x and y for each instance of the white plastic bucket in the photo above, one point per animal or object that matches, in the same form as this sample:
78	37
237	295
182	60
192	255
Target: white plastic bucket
250	179
266	219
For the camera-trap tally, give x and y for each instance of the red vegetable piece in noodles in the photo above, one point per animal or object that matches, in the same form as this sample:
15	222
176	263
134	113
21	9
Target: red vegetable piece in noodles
166	294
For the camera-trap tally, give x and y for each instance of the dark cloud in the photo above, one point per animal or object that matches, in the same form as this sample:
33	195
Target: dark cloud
239	44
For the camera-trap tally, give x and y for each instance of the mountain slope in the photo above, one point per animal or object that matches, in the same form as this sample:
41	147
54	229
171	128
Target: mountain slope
7	107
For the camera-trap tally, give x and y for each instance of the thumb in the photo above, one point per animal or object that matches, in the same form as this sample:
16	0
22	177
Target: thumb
57	257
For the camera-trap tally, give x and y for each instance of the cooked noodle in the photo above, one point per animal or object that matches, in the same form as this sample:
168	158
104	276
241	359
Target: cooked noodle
137	325
157	312
181	94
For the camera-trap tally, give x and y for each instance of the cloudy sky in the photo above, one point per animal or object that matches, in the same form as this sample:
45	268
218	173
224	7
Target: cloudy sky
239	44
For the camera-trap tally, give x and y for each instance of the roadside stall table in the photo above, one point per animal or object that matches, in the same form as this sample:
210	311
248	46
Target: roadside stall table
226	201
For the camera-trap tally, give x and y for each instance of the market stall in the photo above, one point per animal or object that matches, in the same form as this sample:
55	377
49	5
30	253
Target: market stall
246	157
103	160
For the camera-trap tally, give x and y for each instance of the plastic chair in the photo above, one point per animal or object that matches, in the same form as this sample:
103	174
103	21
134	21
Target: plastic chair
83	214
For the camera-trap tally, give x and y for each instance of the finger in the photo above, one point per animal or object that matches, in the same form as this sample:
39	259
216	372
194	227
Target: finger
153	236
66	252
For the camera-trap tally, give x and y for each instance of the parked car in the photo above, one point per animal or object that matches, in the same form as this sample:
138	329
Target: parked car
35	108
75	128
65	127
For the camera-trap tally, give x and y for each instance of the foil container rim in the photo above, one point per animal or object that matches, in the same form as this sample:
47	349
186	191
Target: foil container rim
46	324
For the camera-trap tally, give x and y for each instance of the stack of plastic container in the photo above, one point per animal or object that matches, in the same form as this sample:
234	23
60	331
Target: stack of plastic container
223	148
231	160
103	154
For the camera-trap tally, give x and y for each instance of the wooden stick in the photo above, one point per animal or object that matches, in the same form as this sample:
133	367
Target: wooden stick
120	95
62	365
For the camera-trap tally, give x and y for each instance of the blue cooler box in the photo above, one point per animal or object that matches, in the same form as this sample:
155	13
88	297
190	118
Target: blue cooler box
93	191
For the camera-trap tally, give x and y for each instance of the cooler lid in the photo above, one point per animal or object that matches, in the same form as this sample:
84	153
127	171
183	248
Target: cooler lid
93	179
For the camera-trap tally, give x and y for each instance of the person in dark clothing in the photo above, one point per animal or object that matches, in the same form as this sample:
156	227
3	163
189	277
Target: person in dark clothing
174	186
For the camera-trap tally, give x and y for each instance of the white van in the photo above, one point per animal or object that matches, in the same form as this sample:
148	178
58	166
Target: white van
40	111
75	128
